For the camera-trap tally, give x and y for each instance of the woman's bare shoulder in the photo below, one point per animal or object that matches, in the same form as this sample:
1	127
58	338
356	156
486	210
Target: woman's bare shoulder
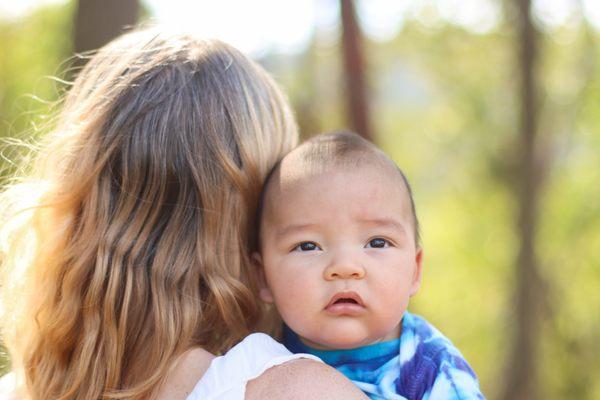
186	373
302	379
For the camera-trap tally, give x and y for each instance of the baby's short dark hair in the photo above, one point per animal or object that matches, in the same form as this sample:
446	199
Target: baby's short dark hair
344	148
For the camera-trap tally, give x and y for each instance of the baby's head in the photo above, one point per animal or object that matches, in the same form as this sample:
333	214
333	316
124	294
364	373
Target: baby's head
339	244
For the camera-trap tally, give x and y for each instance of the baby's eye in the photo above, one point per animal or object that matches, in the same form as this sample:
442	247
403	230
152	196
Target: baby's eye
306	246
378	243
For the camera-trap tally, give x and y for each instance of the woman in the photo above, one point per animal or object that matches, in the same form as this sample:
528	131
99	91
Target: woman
125	251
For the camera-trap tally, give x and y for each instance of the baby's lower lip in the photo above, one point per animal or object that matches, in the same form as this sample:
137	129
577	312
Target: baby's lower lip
345	309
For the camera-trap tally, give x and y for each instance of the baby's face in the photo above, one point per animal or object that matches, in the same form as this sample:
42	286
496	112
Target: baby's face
339	254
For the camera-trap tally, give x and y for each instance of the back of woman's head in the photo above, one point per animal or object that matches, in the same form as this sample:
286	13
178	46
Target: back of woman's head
135	247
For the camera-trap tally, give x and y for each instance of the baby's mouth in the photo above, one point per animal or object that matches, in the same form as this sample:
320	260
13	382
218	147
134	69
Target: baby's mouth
345	303
351	301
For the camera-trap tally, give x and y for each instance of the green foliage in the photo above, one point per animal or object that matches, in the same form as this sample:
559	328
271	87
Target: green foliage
569	234
32	51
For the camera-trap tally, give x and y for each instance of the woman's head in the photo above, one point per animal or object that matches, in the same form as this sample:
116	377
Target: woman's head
141	235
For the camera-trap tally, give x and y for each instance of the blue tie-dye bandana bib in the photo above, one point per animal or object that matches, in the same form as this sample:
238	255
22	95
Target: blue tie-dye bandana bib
421	364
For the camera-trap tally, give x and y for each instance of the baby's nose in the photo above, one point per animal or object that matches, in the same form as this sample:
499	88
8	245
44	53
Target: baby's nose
344	268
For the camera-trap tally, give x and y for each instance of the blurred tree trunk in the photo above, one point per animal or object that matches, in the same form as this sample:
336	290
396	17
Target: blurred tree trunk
522	373
354	66
307	99
99	21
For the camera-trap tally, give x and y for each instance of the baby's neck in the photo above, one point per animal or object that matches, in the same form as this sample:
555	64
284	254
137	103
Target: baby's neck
392	335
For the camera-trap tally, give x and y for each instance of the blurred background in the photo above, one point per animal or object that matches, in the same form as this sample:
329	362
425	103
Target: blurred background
491	107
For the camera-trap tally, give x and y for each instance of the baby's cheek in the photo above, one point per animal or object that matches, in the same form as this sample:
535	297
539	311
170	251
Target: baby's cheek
392	298
390	288
295	303
296	314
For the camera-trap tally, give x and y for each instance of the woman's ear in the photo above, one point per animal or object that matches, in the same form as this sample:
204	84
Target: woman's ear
263	288
417	275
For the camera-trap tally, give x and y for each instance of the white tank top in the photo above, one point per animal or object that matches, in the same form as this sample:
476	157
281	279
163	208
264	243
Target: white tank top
227	375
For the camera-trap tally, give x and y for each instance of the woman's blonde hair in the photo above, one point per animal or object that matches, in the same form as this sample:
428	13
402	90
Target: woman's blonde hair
129	242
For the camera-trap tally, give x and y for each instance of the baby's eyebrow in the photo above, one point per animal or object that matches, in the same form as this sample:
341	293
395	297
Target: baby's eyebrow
293	228
383	222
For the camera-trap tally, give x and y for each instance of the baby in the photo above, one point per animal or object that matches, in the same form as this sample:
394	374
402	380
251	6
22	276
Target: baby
339	255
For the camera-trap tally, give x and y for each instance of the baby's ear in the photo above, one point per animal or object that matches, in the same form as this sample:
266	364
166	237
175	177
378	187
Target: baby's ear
417	275
263	288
